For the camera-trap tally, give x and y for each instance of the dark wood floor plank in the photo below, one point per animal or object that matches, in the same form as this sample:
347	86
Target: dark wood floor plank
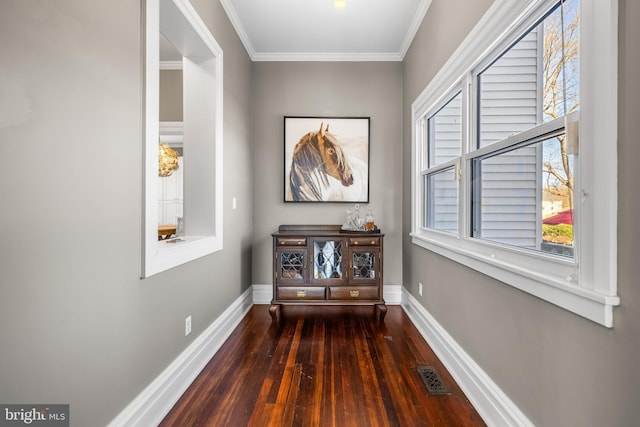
321	366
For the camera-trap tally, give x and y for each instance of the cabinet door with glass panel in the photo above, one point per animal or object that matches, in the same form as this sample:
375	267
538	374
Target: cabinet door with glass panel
328	266
364	260
291	261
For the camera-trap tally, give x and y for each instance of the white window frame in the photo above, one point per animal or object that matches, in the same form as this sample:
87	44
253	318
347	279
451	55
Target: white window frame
202	124
431	170
586	285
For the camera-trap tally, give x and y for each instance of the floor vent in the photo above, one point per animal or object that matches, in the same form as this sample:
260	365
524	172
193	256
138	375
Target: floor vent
432	380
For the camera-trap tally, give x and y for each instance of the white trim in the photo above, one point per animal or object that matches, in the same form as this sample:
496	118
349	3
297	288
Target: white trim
171	65
493	405
157	399
232	14
228	7
586	286
599	122
171	128
327	57
482	39
423	7
182	22
563	293
392	294
262	294
172	133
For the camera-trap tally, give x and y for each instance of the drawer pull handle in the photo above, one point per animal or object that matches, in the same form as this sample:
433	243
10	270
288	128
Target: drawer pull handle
373	242
354	294
301	294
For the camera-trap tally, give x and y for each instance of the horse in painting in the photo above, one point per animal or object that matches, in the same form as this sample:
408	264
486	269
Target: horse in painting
317	158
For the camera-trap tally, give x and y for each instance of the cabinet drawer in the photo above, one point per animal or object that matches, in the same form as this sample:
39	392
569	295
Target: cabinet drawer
292	241
300	293
351	293
364	241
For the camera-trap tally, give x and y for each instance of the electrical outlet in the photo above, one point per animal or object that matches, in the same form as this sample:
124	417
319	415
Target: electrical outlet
420	288
187	326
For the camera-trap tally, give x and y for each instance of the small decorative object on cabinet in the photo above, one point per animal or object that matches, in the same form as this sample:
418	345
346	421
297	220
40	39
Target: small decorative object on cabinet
324	265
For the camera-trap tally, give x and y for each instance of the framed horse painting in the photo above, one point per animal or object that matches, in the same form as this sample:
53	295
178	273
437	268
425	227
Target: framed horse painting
326	159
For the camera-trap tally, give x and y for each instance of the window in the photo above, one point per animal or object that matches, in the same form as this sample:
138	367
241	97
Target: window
507	203
515	153
177	23
444	146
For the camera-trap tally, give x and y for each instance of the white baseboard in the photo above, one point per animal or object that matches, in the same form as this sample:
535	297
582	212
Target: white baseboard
262	294
392	294
493	405
155	401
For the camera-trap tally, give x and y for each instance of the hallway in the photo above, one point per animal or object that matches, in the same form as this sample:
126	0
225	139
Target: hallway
322	366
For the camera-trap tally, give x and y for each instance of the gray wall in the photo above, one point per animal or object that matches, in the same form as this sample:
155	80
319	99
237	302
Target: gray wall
77	325
351	89
170	96
560	369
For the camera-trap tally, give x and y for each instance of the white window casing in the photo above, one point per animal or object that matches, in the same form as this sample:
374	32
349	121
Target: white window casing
586	283
202	67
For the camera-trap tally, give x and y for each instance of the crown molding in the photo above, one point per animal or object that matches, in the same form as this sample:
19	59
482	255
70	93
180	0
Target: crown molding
326	57
398	56
414	27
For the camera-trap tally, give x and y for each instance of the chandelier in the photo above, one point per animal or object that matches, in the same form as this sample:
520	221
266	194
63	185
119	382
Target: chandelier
167	160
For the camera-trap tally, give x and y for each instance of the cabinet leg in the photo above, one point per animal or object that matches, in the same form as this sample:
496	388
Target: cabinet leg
274	311
381	310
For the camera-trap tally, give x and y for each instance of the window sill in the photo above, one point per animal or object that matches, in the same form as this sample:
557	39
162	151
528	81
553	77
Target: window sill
172	253
556	289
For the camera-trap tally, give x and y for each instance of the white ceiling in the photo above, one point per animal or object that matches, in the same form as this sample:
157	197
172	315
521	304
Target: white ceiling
313	30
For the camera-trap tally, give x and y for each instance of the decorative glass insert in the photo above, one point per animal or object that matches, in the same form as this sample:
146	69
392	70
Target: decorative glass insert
364	265
327	259
291	265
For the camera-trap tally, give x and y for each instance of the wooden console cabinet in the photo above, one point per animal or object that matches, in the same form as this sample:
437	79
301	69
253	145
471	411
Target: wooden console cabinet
322	265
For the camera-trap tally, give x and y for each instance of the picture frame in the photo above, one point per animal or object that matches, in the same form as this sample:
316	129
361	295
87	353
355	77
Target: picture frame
326	159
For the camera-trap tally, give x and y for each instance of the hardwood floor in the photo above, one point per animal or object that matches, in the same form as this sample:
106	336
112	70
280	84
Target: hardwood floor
322	366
